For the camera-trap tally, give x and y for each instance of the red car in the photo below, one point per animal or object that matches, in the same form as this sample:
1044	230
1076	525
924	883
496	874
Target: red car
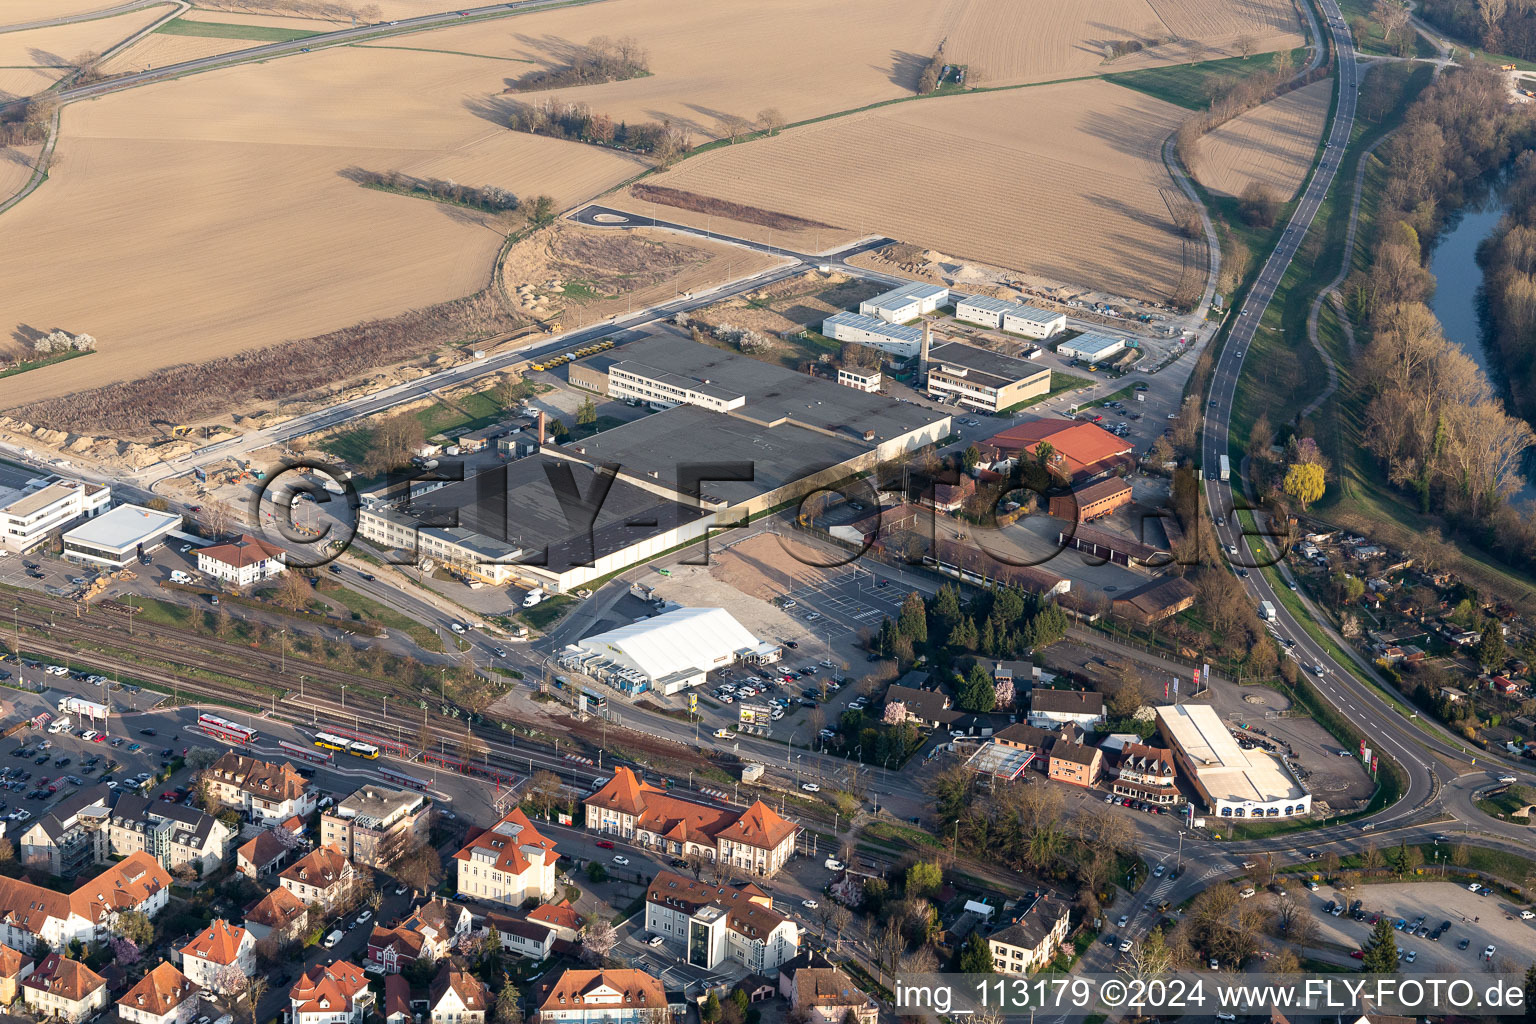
99	738
1358	954
604	844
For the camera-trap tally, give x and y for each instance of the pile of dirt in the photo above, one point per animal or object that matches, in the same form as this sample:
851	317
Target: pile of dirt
106	451
790	305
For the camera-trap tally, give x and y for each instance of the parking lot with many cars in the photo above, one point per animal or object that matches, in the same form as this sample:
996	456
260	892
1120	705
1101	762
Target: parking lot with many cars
1440	926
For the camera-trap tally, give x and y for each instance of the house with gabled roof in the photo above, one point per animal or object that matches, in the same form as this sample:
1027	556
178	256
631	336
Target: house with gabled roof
263	856
756	840
14	968
279	914
163	996
243	562
322	876
335	993
270	793
823	992
508	863
710	924
218	956
64	988
457	997
619	996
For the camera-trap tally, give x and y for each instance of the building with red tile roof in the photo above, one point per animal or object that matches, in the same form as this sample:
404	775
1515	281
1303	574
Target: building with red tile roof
279	913
14	967
64	988
243	562
159	997
322	876
262	856
267	791
334	993
457	997
560	916
756	840
713	923
31	913
397	1000
621	996
508	863
220	958
1079	451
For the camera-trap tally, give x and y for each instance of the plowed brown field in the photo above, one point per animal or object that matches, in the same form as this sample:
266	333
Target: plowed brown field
1272	144
1063	181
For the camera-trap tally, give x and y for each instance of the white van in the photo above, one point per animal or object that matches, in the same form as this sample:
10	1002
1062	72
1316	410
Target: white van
59	725
533	597
332	939
177	576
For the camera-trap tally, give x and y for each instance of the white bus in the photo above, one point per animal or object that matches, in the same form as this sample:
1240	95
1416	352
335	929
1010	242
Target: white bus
1226	468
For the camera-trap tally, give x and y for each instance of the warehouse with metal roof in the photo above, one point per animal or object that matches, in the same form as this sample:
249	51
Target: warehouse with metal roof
908	302
670	652
1233	782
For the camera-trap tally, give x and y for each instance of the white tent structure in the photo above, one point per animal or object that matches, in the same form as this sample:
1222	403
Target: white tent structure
670	652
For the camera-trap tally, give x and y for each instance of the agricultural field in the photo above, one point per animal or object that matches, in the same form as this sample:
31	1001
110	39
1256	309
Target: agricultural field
24	12
260	237
16	164
1272	145
1062	40
44	55
200	33
1022	199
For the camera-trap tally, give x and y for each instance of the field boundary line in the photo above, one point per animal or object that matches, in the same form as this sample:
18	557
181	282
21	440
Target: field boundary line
75	19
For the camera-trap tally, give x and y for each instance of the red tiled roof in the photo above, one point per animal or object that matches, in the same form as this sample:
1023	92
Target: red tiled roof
262	850
11	961
266	779
657	811
472	993
335	985
745	915
68	979
1080	444
219	943
322	868
397	996
160	991
637	988
507	839
558	915
759	826
246	551
277	909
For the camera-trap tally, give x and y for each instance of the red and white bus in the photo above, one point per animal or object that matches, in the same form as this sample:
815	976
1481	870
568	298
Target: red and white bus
224	729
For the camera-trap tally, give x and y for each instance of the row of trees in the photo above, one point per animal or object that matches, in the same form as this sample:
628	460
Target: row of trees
662	140
490	198
1509	284
1231	95
1011	621
1502	26
601	60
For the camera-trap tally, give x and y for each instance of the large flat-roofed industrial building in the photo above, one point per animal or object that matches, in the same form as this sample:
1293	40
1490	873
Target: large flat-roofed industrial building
671	652
119	537
982	379
1233	782
906	303
874	332
781	433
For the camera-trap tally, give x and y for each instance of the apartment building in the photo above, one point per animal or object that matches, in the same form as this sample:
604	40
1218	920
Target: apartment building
30	914
322	876
1030	941
1146	773
376	825
45	507
174	835
220	958
269	793
163	996
620	996
508	863
64	989
68	839
824	993
711	924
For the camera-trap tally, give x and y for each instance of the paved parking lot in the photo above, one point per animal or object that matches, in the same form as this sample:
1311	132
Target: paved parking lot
1480	920
846	603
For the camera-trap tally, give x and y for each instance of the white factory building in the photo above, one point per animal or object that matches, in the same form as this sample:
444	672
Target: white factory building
1233	782
874	332
670	652
41	507
1090	347
901	305
117	538
1030	321
860	379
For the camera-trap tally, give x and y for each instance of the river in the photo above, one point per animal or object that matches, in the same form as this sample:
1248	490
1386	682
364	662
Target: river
1457	301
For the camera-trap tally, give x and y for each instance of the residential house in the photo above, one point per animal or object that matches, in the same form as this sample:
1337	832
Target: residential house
1050	708
560	916
243	562
1031	940
263	856
269	793
756	839
508	863
163	996
928	708
432	930
220	958
68	839
1075	763
377	824
1020	736
30	913
824	993
335	993
457	997
391	950
279	915
521	936
620	996
397	1000
64	988
1145	773
710	924
14	968
322	876
176	836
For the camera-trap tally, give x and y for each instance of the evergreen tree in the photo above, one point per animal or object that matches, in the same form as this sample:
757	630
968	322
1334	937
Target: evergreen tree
975	956
1491	650
914	619
946	607
977	692
1381	950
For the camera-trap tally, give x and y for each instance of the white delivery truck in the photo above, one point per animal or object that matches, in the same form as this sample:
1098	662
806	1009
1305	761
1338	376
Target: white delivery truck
1267	611
60	724
533	597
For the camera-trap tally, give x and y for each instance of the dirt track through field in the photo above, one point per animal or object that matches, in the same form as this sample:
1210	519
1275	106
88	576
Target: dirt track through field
1272	145
1063	181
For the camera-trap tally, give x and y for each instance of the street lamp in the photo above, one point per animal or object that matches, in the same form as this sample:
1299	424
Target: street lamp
954	840
343	698
282	661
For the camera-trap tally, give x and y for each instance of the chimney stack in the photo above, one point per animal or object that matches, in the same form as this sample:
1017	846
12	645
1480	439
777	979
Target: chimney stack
922	359
543	425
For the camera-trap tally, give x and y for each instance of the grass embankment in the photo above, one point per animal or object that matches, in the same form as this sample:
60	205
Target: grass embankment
366	609
40	362
220	30
1060	383
1191	85
544	614
1371	40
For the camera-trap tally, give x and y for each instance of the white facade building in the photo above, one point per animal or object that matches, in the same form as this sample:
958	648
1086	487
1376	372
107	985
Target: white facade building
218	956
31	514
874	332
908	302
1034	322
635	381
241	563
714	923
860	379
671	652
982	310
117	538
1090	347
1233	782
